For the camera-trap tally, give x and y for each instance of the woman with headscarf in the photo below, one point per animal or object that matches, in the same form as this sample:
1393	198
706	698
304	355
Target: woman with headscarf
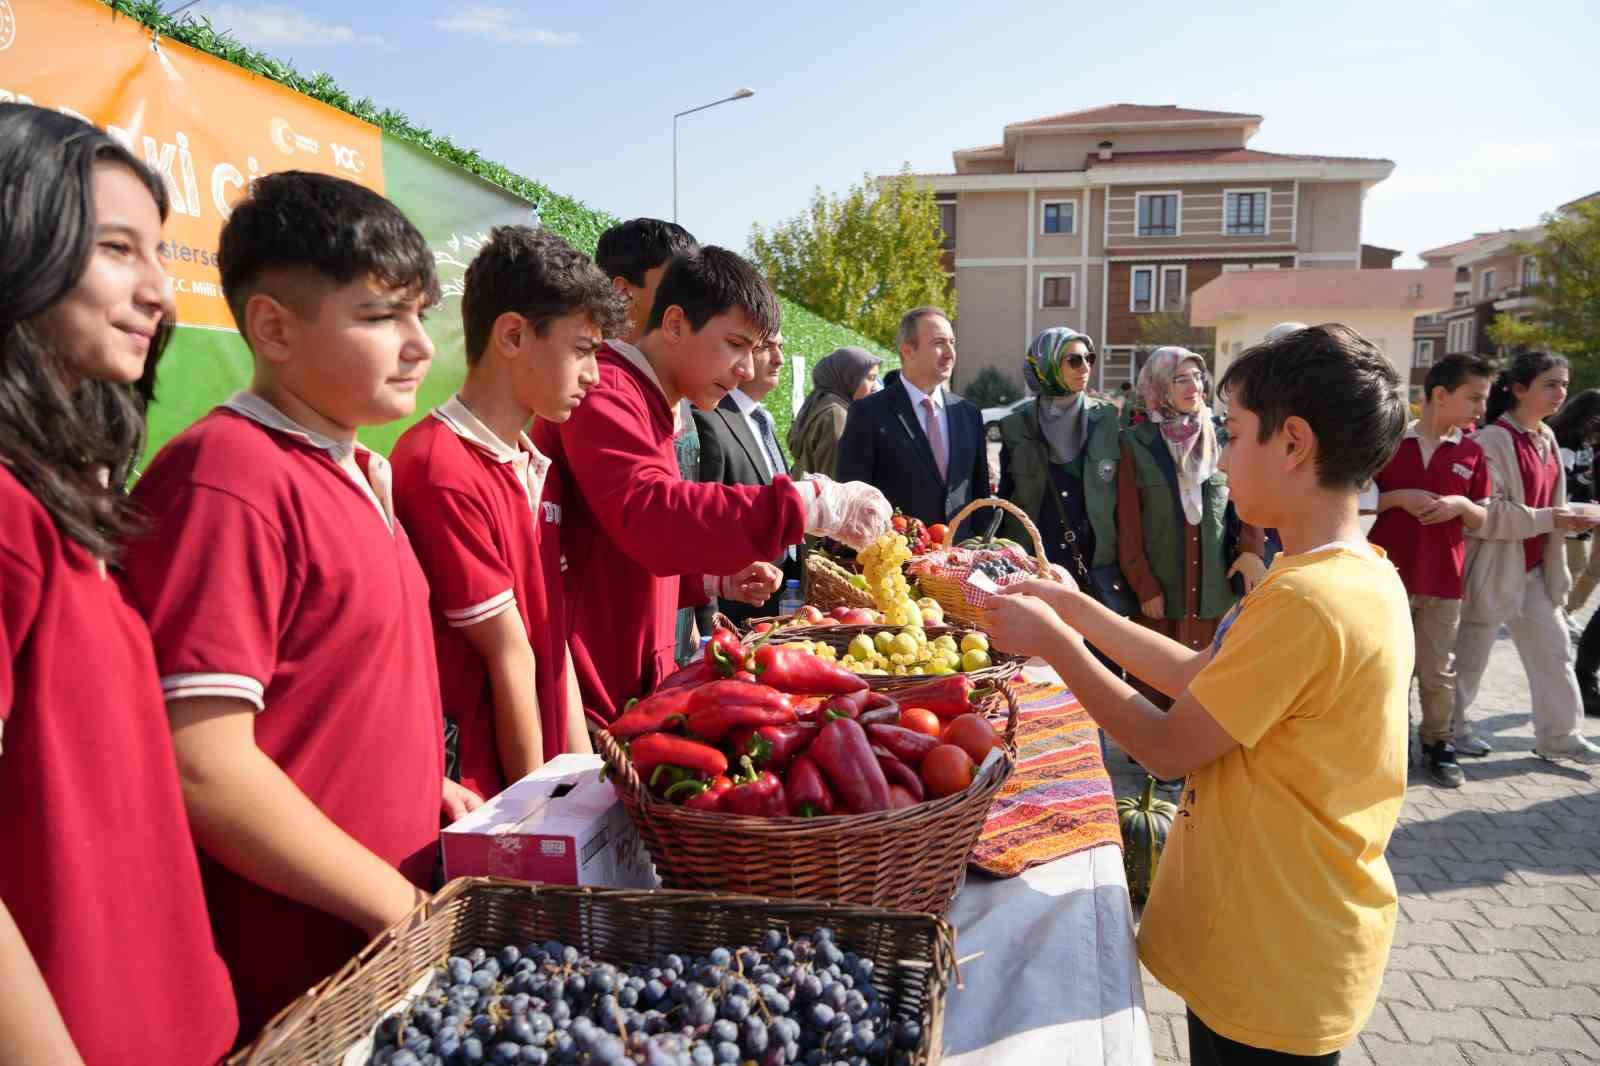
840	378
1172	505
1058	462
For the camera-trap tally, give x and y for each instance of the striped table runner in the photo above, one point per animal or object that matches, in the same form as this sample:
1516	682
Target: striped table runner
1059	801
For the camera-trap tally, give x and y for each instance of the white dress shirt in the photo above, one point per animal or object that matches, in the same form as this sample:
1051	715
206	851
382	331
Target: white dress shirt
939	409
747	408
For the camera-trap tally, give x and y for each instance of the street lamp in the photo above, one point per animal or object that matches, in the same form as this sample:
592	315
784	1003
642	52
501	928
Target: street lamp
742	94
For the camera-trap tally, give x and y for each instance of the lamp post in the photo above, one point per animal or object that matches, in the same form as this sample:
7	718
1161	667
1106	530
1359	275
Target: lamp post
742	94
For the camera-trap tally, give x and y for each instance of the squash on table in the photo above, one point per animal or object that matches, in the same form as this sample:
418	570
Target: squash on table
1145	822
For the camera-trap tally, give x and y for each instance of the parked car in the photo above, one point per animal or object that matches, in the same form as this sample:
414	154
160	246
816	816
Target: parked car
993	416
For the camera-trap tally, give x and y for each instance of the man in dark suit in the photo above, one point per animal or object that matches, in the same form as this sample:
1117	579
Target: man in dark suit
739	446
919	443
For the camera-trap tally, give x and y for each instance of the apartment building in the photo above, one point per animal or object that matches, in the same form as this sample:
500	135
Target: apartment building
1099	219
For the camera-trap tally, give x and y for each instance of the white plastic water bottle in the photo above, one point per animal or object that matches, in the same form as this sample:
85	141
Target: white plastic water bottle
791	600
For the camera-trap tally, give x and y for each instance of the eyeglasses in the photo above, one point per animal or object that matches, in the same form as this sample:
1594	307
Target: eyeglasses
1077	362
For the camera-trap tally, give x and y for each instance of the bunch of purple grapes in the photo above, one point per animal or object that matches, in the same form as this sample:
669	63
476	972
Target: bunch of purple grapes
802	1001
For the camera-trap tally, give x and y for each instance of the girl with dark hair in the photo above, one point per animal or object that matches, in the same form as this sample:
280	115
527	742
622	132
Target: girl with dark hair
1516	568
97	865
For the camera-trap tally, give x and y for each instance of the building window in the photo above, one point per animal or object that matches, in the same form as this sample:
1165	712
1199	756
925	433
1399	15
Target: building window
947	224
1239	268
1143	296
1424	352
1530	271
1158	214
1461	299
1245	213
1488	283
1461	336
1174	287
1057	290
1059	216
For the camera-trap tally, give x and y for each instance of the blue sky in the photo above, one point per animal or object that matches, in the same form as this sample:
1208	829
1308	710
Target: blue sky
1487	109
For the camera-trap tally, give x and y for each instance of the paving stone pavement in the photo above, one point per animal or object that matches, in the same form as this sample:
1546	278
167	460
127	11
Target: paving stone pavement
1497	952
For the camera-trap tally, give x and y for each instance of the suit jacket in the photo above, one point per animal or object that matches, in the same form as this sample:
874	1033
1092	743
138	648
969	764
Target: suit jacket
885	445
731	455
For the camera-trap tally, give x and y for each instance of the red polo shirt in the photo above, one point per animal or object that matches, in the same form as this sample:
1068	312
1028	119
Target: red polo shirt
1430	558
1540	472
485	519
97	866
273	576
632	525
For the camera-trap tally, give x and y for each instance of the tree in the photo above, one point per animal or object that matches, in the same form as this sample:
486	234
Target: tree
861	259
1567	318
991	388
1172	327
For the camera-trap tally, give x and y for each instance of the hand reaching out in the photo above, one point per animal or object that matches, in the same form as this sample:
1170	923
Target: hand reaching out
754	585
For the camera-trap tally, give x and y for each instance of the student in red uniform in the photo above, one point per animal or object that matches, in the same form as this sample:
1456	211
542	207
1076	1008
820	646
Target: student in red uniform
1434	489
632	525
483	506
99	888
289	615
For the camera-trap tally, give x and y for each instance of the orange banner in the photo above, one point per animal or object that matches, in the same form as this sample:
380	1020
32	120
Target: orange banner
207	127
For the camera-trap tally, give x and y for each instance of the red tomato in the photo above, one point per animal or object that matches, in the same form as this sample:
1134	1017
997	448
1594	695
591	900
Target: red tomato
920	720
899	523
899	797
947	770
936	533
973	734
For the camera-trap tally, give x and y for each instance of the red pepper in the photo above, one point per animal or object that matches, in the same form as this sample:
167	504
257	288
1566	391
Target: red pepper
793	669
760	796
845	758
702	795
717	709
848	705
747	677
899	798
907	745
948	697
724	645
696	673
773	747
652	714
809	795
901	775
880	709
664	749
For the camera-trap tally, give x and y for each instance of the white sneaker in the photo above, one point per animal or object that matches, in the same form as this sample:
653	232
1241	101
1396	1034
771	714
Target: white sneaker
1470	743
1574	749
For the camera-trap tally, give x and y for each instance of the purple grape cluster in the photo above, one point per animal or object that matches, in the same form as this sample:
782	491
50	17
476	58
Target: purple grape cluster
802	1001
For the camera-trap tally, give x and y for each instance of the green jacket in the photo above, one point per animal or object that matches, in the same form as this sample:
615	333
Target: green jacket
1026	462
1163	524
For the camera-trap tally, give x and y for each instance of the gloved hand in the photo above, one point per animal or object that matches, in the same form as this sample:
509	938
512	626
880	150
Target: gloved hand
852	512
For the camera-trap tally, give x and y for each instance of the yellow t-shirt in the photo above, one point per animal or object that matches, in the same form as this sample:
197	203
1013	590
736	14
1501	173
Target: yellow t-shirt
1273	908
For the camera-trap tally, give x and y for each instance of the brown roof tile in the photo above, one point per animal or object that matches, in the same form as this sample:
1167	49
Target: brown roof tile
1219	155
1131	113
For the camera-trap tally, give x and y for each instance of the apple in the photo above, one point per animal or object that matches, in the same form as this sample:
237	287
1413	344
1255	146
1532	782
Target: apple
858	616
841	612
809	614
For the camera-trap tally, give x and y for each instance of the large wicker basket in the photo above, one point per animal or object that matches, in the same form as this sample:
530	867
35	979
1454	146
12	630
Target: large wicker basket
913	859
948	591
912	953
839	637
827	584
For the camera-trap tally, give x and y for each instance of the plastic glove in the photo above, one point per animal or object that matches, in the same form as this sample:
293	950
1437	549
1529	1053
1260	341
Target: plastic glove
852	512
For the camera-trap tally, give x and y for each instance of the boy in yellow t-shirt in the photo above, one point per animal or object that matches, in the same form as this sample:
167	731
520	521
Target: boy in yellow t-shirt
1273	909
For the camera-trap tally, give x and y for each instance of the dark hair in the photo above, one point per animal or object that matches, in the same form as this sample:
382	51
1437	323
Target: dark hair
60	443
629	249
907	333
1335	379
538	275
298	221
711	281
1578	421
1450	372
1524	368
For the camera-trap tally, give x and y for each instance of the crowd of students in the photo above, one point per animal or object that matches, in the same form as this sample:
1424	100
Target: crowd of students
225	695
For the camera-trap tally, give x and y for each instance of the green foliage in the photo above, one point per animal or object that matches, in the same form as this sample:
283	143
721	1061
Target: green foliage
992	388
808	335
1172	327
862	259
1567	320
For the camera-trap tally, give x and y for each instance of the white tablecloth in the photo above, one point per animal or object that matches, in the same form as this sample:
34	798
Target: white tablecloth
1058	981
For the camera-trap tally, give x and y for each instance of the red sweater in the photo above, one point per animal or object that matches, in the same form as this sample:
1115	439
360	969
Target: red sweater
632	526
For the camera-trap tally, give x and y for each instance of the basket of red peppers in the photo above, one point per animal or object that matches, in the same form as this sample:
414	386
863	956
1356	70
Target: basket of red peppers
771	771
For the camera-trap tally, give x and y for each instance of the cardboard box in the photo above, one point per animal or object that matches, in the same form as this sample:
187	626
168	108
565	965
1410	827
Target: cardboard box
559	825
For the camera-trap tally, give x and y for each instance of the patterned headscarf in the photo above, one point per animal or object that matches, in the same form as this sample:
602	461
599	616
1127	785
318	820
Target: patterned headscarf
1063	415
1190	437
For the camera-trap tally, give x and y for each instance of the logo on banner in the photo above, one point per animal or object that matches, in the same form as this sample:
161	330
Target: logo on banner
288	141
8	25
346	158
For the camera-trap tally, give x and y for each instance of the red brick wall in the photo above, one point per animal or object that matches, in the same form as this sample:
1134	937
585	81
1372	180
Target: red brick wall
1123	325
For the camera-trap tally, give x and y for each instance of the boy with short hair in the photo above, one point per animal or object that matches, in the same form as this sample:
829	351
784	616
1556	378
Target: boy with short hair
633	525
1273	909
288	612
484	507
1434	489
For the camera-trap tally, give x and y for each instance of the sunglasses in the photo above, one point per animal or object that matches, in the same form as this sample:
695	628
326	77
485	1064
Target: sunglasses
1078	362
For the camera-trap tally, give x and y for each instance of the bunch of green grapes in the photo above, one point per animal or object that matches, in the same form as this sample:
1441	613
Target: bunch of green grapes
882	563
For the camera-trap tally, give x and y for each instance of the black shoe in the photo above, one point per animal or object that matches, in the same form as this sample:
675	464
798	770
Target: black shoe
1440	759
1589	688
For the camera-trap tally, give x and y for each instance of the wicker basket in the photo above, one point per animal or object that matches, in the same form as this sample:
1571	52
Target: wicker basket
913	953
913	859
948	591
839	637
827	585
